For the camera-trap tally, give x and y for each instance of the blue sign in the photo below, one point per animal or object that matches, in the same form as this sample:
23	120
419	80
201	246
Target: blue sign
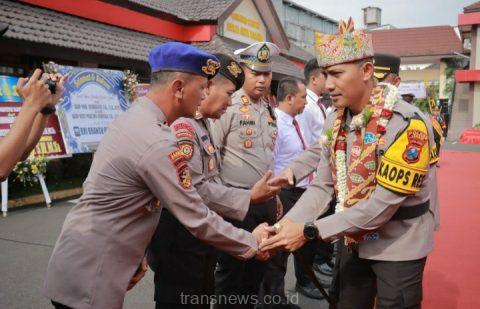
92	99
8	89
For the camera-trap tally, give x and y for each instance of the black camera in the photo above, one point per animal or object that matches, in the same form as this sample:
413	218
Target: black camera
50	68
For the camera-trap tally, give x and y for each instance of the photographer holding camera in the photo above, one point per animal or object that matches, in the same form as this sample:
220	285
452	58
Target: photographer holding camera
38	103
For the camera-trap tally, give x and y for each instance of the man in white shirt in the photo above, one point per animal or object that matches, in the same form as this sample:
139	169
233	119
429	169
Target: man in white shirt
291	95
311	120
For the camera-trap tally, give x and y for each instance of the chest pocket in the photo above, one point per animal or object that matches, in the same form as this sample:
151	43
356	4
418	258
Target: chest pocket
209	158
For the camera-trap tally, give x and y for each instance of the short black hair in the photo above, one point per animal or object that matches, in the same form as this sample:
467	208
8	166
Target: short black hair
287	86
162	77
310	68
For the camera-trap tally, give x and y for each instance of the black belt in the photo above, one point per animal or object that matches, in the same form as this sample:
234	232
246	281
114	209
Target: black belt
410	212
295	189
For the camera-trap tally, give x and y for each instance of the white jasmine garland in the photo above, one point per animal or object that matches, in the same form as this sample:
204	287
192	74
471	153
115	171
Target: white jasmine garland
358	121
341	165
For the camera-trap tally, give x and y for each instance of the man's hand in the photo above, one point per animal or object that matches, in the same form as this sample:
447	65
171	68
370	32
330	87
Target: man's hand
34	91
289	236
261	191
285	178
262	233
279	208
142	269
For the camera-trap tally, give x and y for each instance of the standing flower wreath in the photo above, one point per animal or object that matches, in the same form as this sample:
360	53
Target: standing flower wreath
130	82
27	171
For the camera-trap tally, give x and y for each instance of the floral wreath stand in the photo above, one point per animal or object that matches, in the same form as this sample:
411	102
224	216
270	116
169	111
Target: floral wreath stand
43	185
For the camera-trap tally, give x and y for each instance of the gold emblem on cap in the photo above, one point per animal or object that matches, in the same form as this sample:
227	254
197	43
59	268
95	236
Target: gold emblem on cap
263	53
234	69
211	67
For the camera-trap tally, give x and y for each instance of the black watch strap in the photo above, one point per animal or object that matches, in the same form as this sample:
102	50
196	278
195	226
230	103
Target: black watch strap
310	231
47	110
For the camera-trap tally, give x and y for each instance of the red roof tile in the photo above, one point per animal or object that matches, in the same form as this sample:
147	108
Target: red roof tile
423	41
475	7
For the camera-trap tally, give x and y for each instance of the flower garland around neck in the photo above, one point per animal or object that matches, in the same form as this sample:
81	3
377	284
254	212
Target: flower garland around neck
359	122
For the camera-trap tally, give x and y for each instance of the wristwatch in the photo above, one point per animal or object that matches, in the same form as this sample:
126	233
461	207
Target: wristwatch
49	109
310	231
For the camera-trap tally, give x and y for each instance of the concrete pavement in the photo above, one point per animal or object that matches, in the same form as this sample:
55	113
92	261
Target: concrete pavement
27	237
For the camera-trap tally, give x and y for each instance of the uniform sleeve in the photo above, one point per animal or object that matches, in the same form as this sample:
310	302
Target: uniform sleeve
227	202
221	127
306	162
165	171
400	174
315	201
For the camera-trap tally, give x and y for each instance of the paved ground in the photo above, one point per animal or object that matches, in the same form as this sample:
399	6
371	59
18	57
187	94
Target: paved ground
27	237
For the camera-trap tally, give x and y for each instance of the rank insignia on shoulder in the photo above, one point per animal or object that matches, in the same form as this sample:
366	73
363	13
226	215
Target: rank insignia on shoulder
245	99
211	149
244	109
248	143
404	165
211	164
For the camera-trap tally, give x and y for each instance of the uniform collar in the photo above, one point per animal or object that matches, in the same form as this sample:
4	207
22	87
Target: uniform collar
153	108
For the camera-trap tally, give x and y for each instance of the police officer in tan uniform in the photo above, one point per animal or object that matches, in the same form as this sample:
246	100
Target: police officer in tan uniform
375	156
139	169
246	134
184	265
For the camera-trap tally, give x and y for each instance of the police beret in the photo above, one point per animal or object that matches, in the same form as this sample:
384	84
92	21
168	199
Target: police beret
383	64
180	57
231	70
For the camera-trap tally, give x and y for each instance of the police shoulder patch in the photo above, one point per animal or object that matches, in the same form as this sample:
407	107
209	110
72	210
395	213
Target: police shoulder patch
180	164
404	165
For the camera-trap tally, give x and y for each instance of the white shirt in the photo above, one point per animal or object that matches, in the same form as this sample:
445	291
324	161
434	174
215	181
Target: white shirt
312	119
288	144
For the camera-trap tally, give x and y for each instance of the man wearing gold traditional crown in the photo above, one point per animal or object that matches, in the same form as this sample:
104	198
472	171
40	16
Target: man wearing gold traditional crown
375	159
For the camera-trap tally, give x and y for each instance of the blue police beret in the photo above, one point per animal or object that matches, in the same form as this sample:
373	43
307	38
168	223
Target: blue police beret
180	57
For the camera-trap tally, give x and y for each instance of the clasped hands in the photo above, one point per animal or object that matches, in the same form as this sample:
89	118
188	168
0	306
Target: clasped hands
283	235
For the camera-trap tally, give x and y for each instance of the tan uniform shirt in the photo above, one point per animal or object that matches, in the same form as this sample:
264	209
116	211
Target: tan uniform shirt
136	171
247	132
398	240
194	136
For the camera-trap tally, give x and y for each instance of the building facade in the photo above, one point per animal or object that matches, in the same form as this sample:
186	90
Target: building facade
301	23
81	33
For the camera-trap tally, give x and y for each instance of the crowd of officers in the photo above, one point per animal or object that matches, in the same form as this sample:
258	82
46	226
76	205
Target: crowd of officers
183	182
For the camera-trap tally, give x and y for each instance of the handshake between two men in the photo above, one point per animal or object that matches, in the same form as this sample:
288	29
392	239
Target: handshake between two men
285	234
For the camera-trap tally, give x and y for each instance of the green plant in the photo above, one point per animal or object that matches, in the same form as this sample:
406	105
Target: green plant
422	104
452	66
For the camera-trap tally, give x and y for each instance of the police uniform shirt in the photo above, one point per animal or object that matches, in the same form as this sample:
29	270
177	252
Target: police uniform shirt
137	170
397	240
195	141
246	133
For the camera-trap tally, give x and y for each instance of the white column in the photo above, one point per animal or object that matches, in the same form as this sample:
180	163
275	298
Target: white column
5	197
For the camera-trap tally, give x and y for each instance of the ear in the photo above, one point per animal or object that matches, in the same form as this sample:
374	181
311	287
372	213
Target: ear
177	86
397	81
367	71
